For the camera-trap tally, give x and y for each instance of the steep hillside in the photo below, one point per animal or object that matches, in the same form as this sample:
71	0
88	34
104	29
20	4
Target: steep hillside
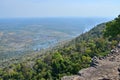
66	59
108	66
105	68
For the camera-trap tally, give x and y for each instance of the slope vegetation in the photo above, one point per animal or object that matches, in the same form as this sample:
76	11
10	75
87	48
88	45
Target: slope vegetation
67	59
106	68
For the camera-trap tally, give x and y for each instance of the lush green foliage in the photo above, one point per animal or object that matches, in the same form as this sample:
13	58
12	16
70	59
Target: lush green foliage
66	60
113	28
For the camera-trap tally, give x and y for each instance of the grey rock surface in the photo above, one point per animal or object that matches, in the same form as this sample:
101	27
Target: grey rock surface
107	68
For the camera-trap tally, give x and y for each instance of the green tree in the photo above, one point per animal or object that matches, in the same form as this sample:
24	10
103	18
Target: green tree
112	29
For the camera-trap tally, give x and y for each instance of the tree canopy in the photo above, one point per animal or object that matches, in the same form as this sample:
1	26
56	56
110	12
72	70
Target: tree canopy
66	59
112	29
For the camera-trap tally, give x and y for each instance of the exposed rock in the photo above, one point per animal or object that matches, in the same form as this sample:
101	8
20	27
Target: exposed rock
75	77
87	71
114	50
94	61
119	68
104	68
118	45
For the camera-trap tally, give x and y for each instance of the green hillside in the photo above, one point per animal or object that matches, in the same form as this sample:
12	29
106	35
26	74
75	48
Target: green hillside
66	60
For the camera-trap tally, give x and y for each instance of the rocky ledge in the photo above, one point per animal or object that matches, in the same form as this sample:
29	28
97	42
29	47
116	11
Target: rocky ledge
105	68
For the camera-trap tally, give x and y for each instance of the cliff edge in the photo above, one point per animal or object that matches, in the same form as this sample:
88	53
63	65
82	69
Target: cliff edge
103	68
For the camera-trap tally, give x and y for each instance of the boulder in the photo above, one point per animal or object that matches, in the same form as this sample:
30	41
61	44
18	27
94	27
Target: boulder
86	72
94	61
118	45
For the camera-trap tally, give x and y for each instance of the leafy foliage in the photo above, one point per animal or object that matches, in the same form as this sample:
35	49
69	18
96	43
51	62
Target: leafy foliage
66	60
113	28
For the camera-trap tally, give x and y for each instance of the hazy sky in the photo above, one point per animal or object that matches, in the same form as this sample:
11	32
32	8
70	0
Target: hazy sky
59	8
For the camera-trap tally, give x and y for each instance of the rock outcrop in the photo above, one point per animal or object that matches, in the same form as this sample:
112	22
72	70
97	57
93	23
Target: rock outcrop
105	68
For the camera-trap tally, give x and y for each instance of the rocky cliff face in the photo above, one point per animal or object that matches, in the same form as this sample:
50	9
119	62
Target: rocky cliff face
105	68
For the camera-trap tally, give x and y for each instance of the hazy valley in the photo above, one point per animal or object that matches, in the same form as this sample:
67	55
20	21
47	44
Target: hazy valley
25	36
